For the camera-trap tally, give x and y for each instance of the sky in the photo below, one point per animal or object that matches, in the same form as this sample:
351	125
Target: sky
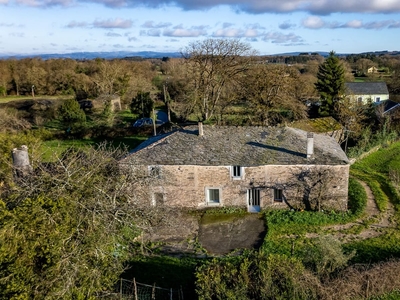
268	26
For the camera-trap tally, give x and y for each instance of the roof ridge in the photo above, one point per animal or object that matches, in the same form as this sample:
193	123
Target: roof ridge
152	145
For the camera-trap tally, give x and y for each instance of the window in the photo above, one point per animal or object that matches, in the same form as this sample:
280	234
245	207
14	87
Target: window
360	101
237	172
278	195
254	197
213	196
158	199
378	99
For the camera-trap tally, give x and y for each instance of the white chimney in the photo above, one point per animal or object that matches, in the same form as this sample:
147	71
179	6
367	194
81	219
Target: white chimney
201	129
310	144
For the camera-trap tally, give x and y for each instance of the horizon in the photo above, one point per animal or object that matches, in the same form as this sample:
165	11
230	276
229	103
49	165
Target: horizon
39	27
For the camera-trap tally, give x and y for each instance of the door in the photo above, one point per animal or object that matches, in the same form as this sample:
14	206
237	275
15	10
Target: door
253	200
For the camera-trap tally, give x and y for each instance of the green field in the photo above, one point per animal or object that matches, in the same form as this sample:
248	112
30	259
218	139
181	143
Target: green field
39	97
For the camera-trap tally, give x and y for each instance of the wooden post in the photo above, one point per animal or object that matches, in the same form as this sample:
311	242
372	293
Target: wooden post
120	289
167	101
153	292
154	122
135	288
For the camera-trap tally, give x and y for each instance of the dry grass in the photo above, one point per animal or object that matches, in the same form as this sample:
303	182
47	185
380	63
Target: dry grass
10	120
364	281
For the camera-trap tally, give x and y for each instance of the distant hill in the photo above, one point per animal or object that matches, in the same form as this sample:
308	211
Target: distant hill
325	54
93	55
152	54
322	53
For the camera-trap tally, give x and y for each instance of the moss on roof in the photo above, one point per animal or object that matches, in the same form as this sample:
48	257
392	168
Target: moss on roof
230	145
318	125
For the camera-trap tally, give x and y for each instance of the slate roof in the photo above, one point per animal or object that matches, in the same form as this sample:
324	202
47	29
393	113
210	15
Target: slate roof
230	145
367	88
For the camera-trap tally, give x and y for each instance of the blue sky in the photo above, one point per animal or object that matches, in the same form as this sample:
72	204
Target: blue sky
269	26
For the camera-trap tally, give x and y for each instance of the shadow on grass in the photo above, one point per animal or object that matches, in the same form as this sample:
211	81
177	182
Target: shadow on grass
165	272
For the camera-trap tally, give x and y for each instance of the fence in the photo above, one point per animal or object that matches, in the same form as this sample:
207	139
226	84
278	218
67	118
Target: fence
134	290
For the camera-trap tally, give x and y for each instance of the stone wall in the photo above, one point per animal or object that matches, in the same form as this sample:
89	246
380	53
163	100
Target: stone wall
303	187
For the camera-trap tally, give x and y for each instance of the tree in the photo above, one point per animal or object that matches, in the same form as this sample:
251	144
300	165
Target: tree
5	77
271	92
67	229
142	104
353	116
212	65
71	113
330	83
111	77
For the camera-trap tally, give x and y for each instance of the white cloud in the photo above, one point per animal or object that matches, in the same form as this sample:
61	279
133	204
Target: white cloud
236	33
180	31
151	32
152	24
317	7
110	23
74	24
280	38
112	34
313	22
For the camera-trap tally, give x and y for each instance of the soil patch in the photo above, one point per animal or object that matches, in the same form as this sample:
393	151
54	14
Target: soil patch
233	233
217	234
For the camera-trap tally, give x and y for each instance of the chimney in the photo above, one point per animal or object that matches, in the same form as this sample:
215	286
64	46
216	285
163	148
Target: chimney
310	144
201	129
21	162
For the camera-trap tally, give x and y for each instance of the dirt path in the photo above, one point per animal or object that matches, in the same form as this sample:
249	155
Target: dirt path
372	224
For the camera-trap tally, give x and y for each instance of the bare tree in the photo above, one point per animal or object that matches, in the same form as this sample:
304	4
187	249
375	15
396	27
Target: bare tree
212	65
272	93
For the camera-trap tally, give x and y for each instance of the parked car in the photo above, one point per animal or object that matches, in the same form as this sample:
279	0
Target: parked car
143	122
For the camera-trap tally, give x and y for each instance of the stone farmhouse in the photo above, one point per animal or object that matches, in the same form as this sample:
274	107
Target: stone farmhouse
254	167
367	92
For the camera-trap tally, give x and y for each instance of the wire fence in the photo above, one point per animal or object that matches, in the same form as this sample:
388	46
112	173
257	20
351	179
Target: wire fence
134	290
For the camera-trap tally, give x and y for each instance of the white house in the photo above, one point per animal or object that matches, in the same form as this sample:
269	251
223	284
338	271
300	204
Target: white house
367	92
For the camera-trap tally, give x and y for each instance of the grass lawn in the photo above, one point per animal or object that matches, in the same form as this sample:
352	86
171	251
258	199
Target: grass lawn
56	147
18	98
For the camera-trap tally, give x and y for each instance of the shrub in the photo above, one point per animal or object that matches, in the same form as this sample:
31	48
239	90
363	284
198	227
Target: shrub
357	197
255	275
71	114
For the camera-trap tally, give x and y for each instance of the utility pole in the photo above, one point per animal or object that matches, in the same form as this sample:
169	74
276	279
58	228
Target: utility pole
141	97
167	100
154	123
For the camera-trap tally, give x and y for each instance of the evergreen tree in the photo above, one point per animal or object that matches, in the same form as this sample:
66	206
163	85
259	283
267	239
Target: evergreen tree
71	113
330	83
142	104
